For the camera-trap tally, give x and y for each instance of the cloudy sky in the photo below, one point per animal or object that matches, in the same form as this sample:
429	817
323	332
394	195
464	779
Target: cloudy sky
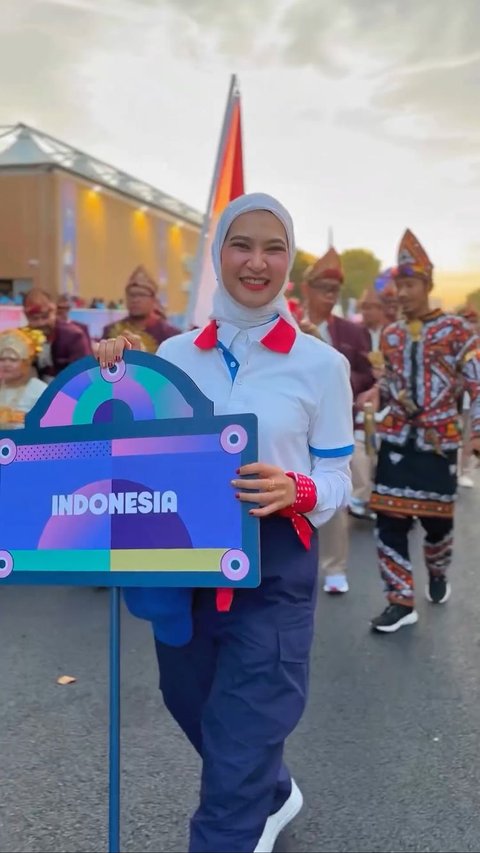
360	114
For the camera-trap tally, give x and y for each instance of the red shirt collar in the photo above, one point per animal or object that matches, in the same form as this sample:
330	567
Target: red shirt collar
280	338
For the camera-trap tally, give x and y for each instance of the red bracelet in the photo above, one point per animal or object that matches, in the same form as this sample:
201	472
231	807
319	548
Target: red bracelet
306	498
305	501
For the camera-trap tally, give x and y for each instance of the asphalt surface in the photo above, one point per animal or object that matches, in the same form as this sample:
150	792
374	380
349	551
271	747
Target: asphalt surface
386	754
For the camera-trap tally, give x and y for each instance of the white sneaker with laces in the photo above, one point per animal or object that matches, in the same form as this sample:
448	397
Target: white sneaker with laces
335	584
278	821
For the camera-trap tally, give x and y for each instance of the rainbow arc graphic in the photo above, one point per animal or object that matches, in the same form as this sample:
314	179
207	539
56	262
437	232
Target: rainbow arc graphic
87	398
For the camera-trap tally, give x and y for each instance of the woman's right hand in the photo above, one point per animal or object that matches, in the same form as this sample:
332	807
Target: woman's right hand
110	351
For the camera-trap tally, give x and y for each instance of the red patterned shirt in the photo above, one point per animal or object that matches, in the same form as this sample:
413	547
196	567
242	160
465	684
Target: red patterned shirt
428	365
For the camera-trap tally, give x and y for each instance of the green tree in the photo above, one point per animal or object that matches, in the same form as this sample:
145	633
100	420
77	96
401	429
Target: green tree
473	299
360	269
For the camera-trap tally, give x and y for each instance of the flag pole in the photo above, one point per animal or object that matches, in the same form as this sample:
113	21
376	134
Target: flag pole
233	94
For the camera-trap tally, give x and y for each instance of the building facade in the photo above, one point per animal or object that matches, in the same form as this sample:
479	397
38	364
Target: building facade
72	224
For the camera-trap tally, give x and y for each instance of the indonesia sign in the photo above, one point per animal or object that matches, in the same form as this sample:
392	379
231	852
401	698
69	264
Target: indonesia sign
122	477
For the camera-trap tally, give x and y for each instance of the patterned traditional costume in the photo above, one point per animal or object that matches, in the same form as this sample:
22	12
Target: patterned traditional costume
427	364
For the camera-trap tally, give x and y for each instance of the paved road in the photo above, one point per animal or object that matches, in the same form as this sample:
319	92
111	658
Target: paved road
387	754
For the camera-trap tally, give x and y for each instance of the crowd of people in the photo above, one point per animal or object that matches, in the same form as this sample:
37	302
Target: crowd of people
33	355
73	301
383	398
365	418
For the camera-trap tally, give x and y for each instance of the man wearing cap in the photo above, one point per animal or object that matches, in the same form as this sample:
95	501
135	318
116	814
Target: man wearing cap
64	342
321	290
144	318
428	356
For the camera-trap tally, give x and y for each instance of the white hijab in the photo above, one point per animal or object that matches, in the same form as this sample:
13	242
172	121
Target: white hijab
225	308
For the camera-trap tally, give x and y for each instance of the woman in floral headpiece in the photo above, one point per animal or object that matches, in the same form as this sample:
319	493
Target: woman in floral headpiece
19	391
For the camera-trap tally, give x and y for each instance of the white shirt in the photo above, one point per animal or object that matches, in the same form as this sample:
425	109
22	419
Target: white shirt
302	399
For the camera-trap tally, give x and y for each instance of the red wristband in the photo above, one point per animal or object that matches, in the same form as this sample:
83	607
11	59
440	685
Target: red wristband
306	498
224	598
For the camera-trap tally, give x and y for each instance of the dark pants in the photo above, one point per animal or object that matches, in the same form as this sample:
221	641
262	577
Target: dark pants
239	688
394	557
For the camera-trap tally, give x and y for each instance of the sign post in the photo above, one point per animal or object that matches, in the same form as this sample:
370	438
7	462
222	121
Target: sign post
131	472
115	721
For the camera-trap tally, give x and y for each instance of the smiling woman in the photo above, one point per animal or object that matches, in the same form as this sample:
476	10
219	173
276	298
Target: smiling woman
255	259
238	686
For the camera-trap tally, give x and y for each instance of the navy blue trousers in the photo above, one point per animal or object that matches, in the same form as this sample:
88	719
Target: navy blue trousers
239	688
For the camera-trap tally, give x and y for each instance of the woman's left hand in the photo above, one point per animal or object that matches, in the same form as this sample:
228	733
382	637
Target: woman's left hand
274	490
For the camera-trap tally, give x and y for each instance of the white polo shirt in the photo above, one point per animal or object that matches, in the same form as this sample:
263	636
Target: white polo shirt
296	385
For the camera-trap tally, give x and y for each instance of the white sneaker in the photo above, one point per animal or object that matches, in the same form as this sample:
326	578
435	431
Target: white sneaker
465	481
359	509
278	821
335	584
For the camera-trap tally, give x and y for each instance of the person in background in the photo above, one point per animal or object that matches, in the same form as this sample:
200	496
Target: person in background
144	318
467	459
19	390
64	344
389	300
294	304
65	303
428	355
235	674
371	307
321	290
64	306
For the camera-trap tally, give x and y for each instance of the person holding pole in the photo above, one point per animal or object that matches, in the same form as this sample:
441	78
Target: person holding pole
236	679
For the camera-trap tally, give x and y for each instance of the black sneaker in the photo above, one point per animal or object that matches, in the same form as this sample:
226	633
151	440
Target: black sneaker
394	616
438	589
